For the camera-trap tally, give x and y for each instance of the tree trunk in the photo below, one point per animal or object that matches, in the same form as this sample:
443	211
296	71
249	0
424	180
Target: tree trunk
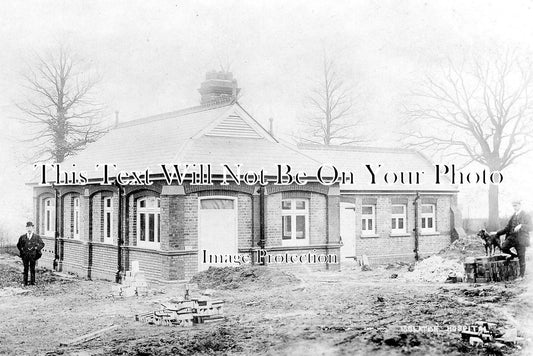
494	218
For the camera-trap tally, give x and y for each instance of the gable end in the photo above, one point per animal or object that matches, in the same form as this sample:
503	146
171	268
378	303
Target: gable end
233	126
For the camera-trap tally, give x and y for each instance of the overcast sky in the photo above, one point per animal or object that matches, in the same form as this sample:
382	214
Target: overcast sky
152	55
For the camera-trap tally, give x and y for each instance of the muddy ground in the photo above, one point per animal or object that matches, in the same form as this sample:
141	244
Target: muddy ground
352	312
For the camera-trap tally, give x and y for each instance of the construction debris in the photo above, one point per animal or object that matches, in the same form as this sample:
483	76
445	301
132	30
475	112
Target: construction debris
133	283
89	336
462	248
185	312
242	277
435	269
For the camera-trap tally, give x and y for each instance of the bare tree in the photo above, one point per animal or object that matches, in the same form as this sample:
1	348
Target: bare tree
477	112
330	118
60	111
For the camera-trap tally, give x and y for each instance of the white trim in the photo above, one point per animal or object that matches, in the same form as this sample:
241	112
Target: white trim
397	217
147	211
76	217
424	219
372	217
108	210
48	217
293	213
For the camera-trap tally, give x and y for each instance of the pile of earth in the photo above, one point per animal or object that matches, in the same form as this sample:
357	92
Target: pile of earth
468	246
237	277
11	280
435	269
220	341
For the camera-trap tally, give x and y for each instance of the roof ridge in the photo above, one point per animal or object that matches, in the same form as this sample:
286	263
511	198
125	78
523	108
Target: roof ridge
354	148
172	114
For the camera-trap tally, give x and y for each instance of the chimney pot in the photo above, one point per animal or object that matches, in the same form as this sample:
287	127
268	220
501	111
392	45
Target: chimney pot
218	87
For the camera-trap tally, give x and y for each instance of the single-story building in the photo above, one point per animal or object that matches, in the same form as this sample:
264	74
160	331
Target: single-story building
175	223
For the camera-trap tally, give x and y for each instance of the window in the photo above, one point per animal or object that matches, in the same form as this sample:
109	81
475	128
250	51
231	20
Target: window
108	220
398	216
148	222
295	221
49	219
76	218
428	218
368	220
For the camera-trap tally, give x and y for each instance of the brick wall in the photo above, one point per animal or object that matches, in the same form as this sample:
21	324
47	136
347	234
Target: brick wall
74	257
190	222
67	215
150	262
47	259
104	263
317	217
386	247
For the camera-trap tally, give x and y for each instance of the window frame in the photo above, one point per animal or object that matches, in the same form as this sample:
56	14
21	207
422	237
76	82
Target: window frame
425	216
49	216
76	217
294	213
147	211
108	211
365	217
396	217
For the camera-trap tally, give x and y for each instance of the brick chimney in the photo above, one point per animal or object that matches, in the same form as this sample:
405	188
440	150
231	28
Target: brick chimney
218	87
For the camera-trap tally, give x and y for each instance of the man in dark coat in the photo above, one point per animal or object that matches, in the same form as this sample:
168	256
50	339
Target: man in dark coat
517	235
30	246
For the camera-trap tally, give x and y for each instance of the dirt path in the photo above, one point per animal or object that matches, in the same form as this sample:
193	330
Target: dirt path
328	313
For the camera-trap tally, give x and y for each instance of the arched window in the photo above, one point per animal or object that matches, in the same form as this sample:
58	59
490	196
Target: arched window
49	218
108	219
76	217
148	222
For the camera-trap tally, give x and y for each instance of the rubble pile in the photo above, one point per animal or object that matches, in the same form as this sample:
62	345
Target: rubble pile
185	312
238	277
435	269
133	283
462	248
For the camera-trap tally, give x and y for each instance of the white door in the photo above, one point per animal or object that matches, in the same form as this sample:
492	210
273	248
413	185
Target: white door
217	232
347	230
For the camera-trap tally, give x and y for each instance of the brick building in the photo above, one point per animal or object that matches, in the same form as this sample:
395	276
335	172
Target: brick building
176	228
377	219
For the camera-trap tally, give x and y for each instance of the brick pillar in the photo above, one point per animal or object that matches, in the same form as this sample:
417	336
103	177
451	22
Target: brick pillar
172	230
333	228
256	222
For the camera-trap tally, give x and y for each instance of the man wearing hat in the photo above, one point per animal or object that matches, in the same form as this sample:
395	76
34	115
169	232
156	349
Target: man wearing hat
517	235
30	246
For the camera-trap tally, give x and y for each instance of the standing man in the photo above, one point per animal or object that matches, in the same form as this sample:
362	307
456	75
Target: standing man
517	235
30	246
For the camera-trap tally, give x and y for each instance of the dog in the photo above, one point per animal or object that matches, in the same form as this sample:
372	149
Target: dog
490	242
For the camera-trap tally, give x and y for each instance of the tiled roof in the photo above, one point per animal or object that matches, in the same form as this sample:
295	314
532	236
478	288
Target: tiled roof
227	134
223	134
351	158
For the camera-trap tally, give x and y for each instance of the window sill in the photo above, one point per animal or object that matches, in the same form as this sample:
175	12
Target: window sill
429	233
400	234
285	243
369	236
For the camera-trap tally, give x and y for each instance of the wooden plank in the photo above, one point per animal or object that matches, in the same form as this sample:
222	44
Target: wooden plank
89	336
